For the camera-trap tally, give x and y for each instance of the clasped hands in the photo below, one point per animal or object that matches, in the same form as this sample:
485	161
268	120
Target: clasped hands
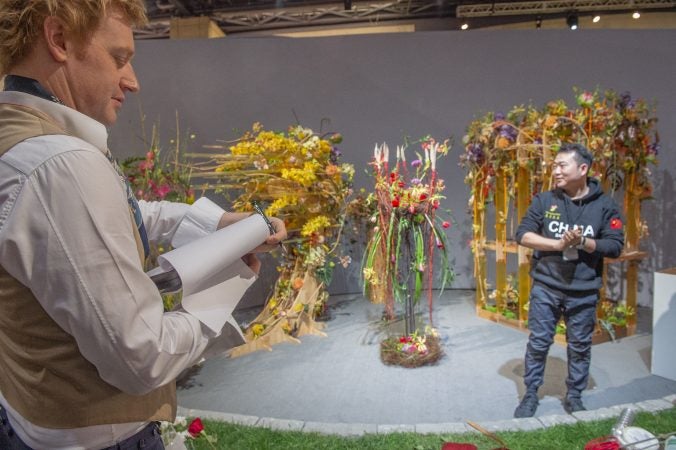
570	238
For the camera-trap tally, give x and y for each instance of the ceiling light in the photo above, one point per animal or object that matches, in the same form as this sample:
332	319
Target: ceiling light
596	19
636	15
572	21
464	26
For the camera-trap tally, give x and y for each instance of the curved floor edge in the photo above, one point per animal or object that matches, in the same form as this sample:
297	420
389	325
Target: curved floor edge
360	429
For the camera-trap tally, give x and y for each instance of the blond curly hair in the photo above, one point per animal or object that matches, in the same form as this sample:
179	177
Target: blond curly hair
21	22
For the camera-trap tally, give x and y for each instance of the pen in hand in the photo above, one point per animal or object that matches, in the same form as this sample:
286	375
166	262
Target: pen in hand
259	210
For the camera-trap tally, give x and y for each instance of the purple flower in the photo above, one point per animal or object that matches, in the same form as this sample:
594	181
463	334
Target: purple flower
654	148
499	116
625	101
476	153
416	163
415	181
334	155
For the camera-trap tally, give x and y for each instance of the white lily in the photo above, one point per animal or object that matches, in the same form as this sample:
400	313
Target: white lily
400	152
433	155
386	152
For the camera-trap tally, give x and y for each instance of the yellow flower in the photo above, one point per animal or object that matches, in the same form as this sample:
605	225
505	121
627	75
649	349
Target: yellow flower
281	203
315	225
298	307
257	329
305	176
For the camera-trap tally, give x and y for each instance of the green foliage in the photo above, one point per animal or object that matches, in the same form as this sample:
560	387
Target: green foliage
558	437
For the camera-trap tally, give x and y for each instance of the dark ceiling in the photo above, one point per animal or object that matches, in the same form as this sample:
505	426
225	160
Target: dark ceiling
239	16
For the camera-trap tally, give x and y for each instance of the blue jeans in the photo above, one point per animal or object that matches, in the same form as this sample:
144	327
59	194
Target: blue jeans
148	438
546	307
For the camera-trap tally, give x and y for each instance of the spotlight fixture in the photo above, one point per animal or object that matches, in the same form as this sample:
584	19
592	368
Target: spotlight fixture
596	18
636	15
464	26
572	21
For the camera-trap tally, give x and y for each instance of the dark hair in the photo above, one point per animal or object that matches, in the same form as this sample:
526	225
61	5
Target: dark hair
582	155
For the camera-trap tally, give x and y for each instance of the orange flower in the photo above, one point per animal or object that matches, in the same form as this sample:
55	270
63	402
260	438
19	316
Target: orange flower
503	142
331	170
550	121
297	283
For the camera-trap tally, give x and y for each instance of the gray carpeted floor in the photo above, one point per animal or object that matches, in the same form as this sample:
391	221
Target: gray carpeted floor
340	378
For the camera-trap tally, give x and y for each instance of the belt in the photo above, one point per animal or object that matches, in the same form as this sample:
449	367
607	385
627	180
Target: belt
145	438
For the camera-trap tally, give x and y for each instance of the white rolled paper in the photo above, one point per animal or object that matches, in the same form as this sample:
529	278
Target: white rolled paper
202	263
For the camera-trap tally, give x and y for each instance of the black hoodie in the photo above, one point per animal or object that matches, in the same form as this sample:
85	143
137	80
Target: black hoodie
552	213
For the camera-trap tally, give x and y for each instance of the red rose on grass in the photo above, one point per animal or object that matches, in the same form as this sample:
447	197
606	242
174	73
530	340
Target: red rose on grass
615	224
195	427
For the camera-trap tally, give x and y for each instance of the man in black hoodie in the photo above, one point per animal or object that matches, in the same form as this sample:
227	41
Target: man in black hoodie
571	228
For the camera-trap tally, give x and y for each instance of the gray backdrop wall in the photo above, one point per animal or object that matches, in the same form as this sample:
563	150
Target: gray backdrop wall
384	87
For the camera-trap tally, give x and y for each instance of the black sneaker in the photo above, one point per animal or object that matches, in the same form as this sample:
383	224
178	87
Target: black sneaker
573	404
529	403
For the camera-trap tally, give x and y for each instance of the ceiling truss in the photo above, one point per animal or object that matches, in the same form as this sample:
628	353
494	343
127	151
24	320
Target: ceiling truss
557	7
328	14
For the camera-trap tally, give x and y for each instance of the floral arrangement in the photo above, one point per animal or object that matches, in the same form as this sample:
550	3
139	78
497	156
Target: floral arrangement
180	434
507	158
155	177
298	176
618	130
412	350
407	226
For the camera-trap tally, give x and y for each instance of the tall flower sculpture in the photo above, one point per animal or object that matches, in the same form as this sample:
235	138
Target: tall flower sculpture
298	176
407	227
508	159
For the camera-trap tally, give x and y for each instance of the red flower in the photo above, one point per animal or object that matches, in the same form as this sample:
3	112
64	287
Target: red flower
446	224
423	197
402	184
393	176
395	202
615	224
195	427
435	204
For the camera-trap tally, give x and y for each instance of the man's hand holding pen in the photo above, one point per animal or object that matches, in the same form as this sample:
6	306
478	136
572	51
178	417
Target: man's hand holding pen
277	232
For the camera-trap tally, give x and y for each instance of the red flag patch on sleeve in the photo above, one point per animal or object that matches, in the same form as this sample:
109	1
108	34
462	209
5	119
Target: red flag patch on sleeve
615	224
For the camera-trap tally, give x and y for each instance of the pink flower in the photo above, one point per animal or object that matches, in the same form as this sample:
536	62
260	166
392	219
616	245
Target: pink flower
146	165
163	190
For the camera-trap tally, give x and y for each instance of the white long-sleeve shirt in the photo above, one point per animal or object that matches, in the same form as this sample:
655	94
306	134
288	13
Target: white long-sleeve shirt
65	232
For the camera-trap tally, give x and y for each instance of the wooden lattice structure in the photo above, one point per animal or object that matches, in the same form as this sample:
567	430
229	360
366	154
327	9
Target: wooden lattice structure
509	160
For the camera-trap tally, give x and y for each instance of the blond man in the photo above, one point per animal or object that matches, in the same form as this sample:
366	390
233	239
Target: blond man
88	357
